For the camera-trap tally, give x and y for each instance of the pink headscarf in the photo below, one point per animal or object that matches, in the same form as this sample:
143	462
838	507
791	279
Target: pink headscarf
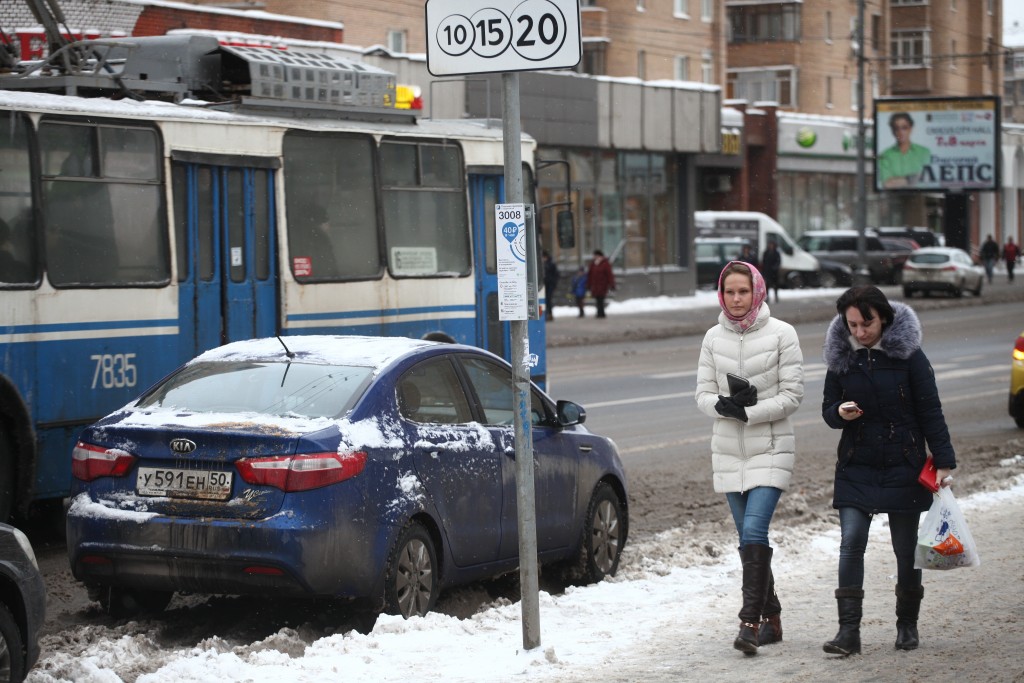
759	295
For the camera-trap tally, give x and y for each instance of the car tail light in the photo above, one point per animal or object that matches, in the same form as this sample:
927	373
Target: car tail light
301	472
1018	349
90	462
948	268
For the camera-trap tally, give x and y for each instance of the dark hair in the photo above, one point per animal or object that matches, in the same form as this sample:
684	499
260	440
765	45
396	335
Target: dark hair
598	252
900	115
734	267
865	298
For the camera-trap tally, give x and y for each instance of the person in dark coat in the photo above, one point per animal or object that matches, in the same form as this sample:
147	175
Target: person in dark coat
771	264
550	284
989	256
880	390
600	280
1010	253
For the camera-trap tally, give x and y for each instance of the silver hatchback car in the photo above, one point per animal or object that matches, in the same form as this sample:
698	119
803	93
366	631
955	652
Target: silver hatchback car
941	269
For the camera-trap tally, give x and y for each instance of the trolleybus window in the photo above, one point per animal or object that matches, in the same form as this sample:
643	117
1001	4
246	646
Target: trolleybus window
425	211
18	265
331	207
103	205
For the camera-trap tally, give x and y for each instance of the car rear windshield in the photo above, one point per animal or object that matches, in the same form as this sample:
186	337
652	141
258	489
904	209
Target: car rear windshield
267	388
929	258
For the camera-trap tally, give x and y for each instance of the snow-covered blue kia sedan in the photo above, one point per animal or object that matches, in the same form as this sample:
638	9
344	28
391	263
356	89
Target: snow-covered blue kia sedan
375	469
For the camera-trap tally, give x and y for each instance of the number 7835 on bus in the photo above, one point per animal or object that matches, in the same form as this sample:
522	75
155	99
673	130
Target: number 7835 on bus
113	370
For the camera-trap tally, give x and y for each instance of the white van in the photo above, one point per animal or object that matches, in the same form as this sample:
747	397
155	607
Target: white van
799	269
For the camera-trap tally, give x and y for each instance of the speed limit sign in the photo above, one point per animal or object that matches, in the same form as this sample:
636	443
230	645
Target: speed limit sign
487	36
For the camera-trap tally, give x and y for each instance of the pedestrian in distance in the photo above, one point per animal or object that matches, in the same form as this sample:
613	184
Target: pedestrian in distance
989	256
600	280
750	379
1011	252
771	265
579	289
550	284
748	255
880	391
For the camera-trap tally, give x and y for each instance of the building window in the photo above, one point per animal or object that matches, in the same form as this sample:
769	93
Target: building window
707	67
876	32
641	67
593	61
910	48
396	41
707	10
897	3
681	8
641	5
757	23
682	68
828	26
952	5
771	84
952	55
828	93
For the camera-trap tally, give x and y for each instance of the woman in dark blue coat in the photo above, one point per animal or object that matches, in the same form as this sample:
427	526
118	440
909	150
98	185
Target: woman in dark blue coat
880	390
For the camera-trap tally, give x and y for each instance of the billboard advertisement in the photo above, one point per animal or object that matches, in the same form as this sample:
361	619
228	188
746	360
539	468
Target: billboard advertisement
937	144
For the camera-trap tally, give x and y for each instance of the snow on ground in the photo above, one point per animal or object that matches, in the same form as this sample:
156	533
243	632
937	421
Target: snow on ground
670	611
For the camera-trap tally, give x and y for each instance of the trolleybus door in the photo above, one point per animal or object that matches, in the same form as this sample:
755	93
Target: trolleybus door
485	192
226	272
492	334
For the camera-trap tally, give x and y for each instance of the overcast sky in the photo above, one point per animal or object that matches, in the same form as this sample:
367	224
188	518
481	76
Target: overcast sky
1013	11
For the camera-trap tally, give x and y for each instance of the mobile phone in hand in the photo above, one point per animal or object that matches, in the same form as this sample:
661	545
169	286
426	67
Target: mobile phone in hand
850	407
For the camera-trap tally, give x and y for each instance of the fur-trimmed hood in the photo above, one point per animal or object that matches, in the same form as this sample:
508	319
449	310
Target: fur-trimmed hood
900	340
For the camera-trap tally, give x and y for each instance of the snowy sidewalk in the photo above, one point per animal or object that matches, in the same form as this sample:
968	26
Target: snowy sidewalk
669	616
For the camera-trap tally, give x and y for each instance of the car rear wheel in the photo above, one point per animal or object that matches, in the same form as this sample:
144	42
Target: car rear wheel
908	292
604	535
828	279
977	290
12	659
411	583
121	602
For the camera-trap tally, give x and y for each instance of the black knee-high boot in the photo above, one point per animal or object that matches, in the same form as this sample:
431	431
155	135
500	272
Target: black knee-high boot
851	605
756	563
771	614
908	606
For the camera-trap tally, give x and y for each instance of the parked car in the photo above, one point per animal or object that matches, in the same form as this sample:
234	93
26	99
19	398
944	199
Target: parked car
941	269
834	273
374	469
22	605
923	236
712	255
900	247
841	246
1017	382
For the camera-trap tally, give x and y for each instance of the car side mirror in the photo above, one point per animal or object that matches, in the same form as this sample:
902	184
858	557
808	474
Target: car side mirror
570	414
566	230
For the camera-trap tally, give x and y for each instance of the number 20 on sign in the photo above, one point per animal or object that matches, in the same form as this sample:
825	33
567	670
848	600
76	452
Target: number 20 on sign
488	36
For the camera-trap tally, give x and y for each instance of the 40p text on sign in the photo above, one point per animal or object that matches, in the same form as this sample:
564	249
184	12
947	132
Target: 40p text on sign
491	36
511	252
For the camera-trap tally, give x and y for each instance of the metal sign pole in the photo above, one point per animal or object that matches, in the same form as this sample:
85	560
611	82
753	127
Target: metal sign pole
525	495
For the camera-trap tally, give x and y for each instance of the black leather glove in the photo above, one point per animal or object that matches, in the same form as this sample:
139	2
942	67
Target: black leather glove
727	407
746	397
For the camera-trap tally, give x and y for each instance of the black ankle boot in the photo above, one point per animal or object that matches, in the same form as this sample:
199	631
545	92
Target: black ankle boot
756	562
847	642
908	606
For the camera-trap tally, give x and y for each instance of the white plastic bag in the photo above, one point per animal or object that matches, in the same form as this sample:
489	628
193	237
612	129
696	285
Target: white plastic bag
944	541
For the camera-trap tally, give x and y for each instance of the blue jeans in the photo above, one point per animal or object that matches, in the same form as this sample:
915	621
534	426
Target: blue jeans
855	525
752	511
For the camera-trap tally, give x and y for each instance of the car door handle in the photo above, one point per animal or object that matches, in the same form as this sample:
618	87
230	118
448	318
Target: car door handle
586	447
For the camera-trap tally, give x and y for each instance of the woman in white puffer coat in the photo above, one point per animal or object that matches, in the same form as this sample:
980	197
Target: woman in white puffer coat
752	445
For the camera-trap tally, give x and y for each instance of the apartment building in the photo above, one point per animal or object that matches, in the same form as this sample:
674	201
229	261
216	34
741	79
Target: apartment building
1013	86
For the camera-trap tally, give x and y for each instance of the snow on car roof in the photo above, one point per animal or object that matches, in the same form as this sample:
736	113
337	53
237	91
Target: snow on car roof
373	352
